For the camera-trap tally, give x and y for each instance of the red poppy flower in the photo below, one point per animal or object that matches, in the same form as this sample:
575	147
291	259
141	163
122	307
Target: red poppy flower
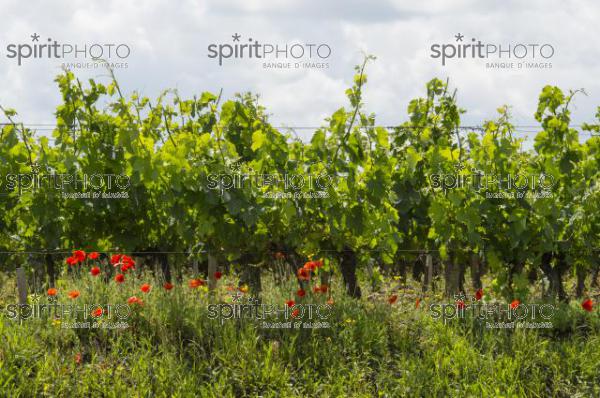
218	275
295	313
330	301
79	255
478	294
316	289
71	260
77	358
417	302
115	259
93	255
290	303
194	283
310	266
515	303
97	312
393	298
52	291
588	305
95	271
135	300
145	288
318	263
73	294
168	286
301	293
303	274
460	304
324	288
128	262
120	278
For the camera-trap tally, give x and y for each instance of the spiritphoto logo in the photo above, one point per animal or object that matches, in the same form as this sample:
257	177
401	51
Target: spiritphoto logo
496	186
520	55
497	315
71	186
272	55
82	55
270	316
272	185
72	316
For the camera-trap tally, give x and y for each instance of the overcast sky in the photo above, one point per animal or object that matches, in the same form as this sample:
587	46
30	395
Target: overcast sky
169	43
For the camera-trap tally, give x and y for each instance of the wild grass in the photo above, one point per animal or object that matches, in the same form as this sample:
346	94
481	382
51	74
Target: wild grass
371	349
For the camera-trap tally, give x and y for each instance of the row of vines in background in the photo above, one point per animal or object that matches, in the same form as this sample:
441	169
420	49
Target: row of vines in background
380	209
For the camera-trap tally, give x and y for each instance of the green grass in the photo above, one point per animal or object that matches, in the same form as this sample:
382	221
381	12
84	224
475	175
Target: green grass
373	348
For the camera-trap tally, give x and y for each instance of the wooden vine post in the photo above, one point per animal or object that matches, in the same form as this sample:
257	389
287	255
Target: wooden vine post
22	285
212	269
428	272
